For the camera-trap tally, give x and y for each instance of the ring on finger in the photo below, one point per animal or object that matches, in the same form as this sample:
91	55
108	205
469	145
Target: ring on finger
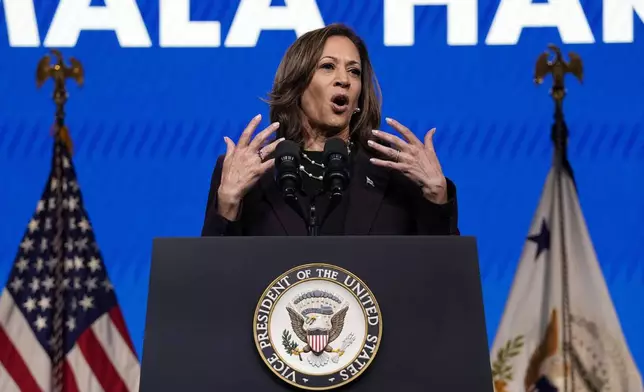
397	155
261	156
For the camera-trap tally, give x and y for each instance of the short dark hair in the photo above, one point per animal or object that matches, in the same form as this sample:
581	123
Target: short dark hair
295	73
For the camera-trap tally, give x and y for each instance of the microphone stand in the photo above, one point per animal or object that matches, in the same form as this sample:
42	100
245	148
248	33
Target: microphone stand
313	223
292	200
334	201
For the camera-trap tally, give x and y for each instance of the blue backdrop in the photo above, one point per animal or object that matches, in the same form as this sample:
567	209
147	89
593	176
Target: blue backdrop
148	124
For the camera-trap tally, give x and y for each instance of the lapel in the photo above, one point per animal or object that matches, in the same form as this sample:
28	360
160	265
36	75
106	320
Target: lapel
292	223
366	190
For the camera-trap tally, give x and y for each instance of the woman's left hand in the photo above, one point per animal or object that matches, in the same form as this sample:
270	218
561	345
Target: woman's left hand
417	161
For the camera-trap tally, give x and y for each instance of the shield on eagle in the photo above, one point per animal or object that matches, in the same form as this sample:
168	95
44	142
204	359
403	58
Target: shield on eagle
317	340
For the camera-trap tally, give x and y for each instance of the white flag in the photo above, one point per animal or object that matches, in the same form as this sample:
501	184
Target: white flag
528	353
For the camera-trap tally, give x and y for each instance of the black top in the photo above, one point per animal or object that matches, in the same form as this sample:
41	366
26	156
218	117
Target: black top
330	217
378	201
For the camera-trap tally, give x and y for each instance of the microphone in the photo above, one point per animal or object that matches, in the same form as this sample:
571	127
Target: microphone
336	176
287	169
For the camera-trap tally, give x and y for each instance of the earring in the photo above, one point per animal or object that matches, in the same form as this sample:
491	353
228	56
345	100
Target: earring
357	110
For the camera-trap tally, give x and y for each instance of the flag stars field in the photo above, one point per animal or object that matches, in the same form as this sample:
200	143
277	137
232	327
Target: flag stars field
96	347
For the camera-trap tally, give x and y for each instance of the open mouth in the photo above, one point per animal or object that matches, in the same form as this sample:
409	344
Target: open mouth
340	102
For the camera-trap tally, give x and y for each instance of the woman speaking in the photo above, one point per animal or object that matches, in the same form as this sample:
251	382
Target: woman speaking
325	89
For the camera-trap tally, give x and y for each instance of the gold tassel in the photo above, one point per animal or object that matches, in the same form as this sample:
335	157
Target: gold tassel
63	135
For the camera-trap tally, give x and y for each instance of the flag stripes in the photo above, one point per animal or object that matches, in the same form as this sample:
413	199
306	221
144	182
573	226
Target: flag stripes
59	302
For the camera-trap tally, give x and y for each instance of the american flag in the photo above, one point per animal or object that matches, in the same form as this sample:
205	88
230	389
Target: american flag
61	327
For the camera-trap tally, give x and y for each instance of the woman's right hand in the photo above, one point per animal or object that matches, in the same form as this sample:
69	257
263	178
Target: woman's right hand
243	165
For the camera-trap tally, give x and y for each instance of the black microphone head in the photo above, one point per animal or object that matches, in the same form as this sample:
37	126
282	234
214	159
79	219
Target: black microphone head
335	146
336	161
287	168
287	148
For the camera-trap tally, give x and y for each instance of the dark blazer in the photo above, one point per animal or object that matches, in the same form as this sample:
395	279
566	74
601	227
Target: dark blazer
381	202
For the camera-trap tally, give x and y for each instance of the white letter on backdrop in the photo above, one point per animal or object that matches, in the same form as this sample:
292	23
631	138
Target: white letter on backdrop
462	21
177	30
253	16
22	27
122	16
618	19
513	15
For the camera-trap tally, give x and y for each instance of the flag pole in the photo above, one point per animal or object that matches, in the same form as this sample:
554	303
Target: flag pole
558	67
59	72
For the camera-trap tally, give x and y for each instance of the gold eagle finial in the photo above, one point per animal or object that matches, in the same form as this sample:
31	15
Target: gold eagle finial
60	72
558	67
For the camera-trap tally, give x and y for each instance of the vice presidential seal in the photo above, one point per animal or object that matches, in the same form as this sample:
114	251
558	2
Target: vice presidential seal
317	326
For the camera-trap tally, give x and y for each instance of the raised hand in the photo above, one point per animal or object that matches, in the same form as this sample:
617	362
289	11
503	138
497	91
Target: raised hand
417	161
243	165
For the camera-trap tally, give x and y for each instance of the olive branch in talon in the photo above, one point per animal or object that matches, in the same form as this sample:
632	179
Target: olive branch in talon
501	369
290	345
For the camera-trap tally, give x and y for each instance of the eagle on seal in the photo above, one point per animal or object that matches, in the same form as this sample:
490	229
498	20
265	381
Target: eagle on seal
318	331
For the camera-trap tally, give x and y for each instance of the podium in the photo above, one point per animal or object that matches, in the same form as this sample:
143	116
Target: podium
372	313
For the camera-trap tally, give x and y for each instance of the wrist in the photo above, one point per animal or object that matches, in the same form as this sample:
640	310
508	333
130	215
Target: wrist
435	193
228	204
435	196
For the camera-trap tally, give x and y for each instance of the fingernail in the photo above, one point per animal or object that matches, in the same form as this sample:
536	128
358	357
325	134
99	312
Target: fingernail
275	124
258	117
374	131
388	119
370	142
